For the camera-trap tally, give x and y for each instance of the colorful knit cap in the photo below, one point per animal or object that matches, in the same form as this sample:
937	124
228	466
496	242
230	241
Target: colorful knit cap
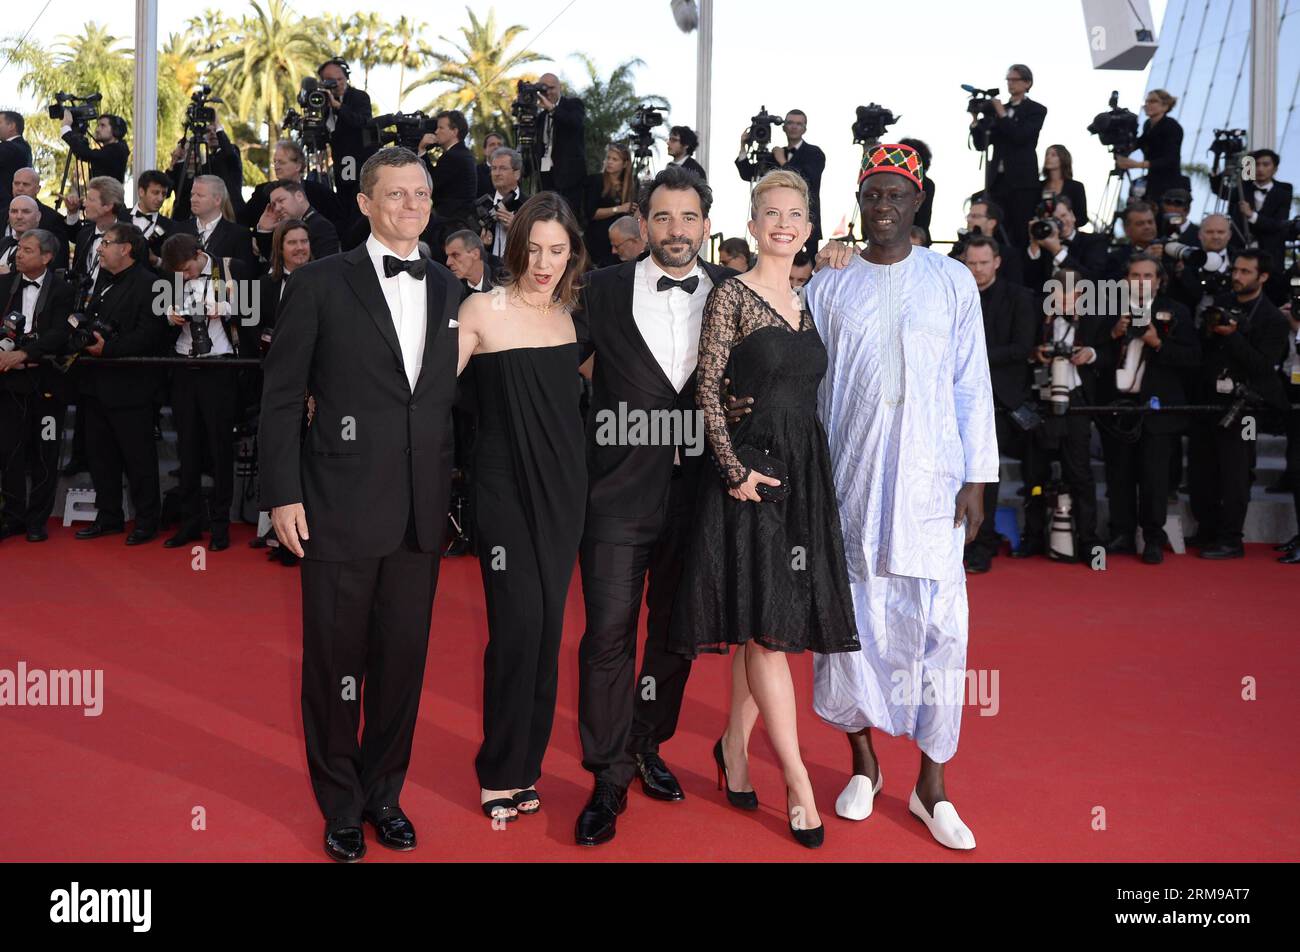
900	159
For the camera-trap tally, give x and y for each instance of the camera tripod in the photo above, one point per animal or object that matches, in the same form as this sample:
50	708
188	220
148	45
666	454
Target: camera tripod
74	167
1230	193
1114	195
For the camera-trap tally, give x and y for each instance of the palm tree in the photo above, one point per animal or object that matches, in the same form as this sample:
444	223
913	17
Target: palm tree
407	50
609	105
258	63
478	71
364	40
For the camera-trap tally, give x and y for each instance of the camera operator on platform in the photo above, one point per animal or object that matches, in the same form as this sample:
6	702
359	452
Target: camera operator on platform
455	174
798	156
1011	176
1063	245
1161	145
223	160
349	113
682	143
111	156
1265	207
559	150
15	153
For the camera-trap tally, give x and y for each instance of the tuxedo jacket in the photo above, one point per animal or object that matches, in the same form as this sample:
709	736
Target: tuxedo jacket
455	184
1015	146
107	160
569	150
126	300
1166	369
14	155
319	196
322	234
628	486
224	162
349	122
691	165
483	174
1086	252
1251	354
228	239
54	302
1010	323
1089	331
1268	229
81	260
809	161
495	271
376	452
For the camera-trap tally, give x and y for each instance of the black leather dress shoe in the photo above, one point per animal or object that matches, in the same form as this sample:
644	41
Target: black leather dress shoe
1292	557
1028	550
1288	545
978	566
95	530
1121	545
345	844
141	536
597	819
184	537
392	828
657	780
1153	554
1220	552
220	541
37	535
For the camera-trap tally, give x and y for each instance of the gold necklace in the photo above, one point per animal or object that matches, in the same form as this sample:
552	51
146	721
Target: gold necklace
544	308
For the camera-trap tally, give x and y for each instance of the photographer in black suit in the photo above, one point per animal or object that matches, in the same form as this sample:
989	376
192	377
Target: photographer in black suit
117	402
24	216
15	153
1063	245
560	150
682	143
151	189
110	133
101	208
491	142
1265	210
985	217
30	394
1151	364
288	203
1011	176
213	221
1161	145
223	161
1010	333
362	500
454	175
349	112
507	166
289	164
27	181
799	156
1245	339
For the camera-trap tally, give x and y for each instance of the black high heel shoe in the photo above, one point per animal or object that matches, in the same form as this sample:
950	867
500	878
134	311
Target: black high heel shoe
813	838
746	800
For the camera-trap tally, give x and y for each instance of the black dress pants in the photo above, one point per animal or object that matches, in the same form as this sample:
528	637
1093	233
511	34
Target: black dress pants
31	432
203	405
621	714
365	632
1219	479
1011	442
1137	483
120	440
1066	438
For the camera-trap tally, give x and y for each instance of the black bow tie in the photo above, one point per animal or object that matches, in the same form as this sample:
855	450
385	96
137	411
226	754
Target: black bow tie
146	217
686	284
394	265
28	283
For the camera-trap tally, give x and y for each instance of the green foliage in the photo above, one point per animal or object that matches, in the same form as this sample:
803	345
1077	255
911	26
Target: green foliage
609	105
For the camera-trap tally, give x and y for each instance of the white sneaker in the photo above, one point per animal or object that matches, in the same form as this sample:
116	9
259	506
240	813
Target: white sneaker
856	801
945	826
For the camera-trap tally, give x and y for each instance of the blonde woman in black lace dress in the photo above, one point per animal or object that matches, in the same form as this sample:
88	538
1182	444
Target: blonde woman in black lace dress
766	565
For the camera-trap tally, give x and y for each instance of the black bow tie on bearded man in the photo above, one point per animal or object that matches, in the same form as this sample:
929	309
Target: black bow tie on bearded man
686	284
393	266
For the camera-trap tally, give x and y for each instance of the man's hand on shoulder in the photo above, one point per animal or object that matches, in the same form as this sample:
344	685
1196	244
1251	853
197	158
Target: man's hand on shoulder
836	254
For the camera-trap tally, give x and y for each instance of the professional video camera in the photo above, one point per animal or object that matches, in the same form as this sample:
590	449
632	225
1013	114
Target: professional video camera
1228	142
81	114
1045	223
760	128
524	112
980	107
644	119
11	333
408	128
872	120
1116	128
199	115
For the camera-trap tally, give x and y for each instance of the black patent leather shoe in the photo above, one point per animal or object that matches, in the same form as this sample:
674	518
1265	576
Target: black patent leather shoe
345	844
141	536
392	828
596	822
37	535
1288	545
1292	557
184	537
220	541
657	780
1121	545
95	530
1220	552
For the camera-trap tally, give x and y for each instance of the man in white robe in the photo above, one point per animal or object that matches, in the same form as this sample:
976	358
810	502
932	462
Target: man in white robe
908	410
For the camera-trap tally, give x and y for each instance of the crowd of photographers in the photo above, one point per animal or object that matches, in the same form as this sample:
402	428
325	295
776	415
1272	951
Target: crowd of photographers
1181	307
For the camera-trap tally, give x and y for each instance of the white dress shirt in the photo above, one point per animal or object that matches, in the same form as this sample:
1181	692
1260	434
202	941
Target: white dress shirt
499	233
670	320
28	303
407	305
201	295
205	231
1261	193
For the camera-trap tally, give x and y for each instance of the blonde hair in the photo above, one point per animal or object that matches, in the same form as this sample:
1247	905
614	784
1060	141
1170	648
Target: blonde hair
1165	98
778	178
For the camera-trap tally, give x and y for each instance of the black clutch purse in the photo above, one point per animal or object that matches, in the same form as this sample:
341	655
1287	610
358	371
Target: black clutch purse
761	461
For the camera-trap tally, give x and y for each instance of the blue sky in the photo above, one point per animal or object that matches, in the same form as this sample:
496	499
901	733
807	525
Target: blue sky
822	56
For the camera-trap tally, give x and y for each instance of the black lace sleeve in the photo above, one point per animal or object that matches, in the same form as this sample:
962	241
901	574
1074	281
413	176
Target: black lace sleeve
719	330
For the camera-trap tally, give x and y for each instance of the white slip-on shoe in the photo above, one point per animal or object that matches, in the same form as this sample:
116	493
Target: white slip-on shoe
945	826
857	799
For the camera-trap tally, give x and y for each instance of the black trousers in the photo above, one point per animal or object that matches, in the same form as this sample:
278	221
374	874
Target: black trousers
1065	438
1293	447
620	713
120	440
31	432
1018	206
1137	483
573	194
1219	462
1011	442
365	623
203	405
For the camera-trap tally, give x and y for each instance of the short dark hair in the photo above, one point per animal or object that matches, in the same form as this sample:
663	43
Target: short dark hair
1263	260
1025	72
1137	208
16	118
802	258
984	241
734	248
178	250
292	186
919	231
116	125
154	177
456	119
687	137
797	112
1154	259
922	150
991	208
678	179
471	241
394	156
1066	201
129	234
45	240
1266	154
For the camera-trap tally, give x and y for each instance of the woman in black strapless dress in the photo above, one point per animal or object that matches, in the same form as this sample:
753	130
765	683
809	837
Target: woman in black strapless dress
530	490
765	574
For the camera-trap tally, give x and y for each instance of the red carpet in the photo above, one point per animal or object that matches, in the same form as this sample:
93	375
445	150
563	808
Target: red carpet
1118	692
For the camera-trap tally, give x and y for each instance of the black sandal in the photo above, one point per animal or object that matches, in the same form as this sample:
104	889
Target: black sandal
504	803
523	796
